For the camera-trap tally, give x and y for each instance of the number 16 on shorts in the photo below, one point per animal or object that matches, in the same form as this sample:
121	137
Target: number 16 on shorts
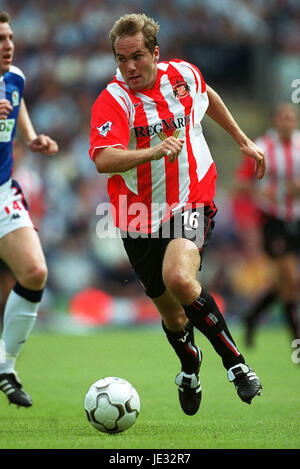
193	225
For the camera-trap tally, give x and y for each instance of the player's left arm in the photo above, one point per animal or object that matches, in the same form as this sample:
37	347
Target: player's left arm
37	143
218	111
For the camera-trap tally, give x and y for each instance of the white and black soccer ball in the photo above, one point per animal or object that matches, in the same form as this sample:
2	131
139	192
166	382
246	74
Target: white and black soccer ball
112	405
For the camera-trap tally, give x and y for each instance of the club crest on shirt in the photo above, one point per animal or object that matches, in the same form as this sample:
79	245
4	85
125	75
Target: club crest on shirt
181	89
15	98
105	128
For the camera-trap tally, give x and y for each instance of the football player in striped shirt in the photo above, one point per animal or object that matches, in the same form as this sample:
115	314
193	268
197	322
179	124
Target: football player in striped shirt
146	135
277	202
20	247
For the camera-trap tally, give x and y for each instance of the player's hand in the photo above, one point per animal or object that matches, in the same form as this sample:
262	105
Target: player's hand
5	108
43	144
251	149
170	147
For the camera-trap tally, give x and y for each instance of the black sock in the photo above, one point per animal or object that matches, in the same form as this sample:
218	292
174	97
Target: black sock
184	346
290	309
206	316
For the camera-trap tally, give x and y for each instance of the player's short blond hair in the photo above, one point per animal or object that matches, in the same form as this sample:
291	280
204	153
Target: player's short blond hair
4	17
131	24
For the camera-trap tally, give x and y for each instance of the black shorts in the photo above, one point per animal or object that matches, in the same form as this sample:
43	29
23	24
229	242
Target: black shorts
280	237
146	252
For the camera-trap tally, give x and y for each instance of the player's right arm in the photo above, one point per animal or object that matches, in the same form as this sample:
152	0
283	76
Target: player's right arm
117	160
110	139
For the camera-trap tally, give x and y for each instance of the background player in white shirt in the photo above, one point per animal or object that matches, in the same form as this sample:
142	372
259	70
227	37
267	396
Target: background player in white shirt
20	247
146	99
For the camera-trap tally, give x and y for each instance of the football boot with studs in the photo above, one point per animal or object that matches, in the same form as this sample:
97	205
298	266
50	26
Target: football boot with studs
189	389
246	382
12	388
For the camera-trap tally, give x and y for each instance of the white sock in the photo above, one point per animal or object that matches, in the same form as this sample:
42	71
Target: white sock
19	318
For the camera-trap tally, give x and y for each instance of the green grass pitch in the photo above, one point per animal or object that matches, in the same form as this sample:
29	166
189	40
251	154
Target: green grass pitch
58	369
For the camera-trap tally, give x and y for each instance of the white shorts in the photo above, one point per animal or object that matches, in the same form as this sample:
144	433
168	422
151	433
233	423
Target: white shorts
14	212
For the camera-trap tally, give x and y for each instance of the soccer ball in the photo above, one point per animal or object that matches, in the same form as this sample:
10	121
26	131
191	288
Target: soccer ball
112	405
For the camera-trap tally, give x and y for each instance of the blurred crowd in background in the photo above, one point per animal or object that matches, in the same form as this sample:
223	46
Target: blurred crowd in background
248	50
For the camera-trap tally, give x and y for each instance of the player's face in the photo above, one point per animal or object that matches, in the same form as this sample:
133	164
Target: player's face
6	47
136	63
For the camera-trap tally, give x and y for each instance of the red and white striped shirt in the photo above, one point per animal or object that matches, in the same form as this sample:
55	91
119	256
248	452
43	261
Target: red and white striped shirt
283	170
141	119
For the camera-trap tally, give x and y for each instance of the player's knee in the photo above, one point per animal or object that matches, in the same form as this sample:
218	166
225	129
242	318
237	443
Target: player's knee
35	276
180	285
174	280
